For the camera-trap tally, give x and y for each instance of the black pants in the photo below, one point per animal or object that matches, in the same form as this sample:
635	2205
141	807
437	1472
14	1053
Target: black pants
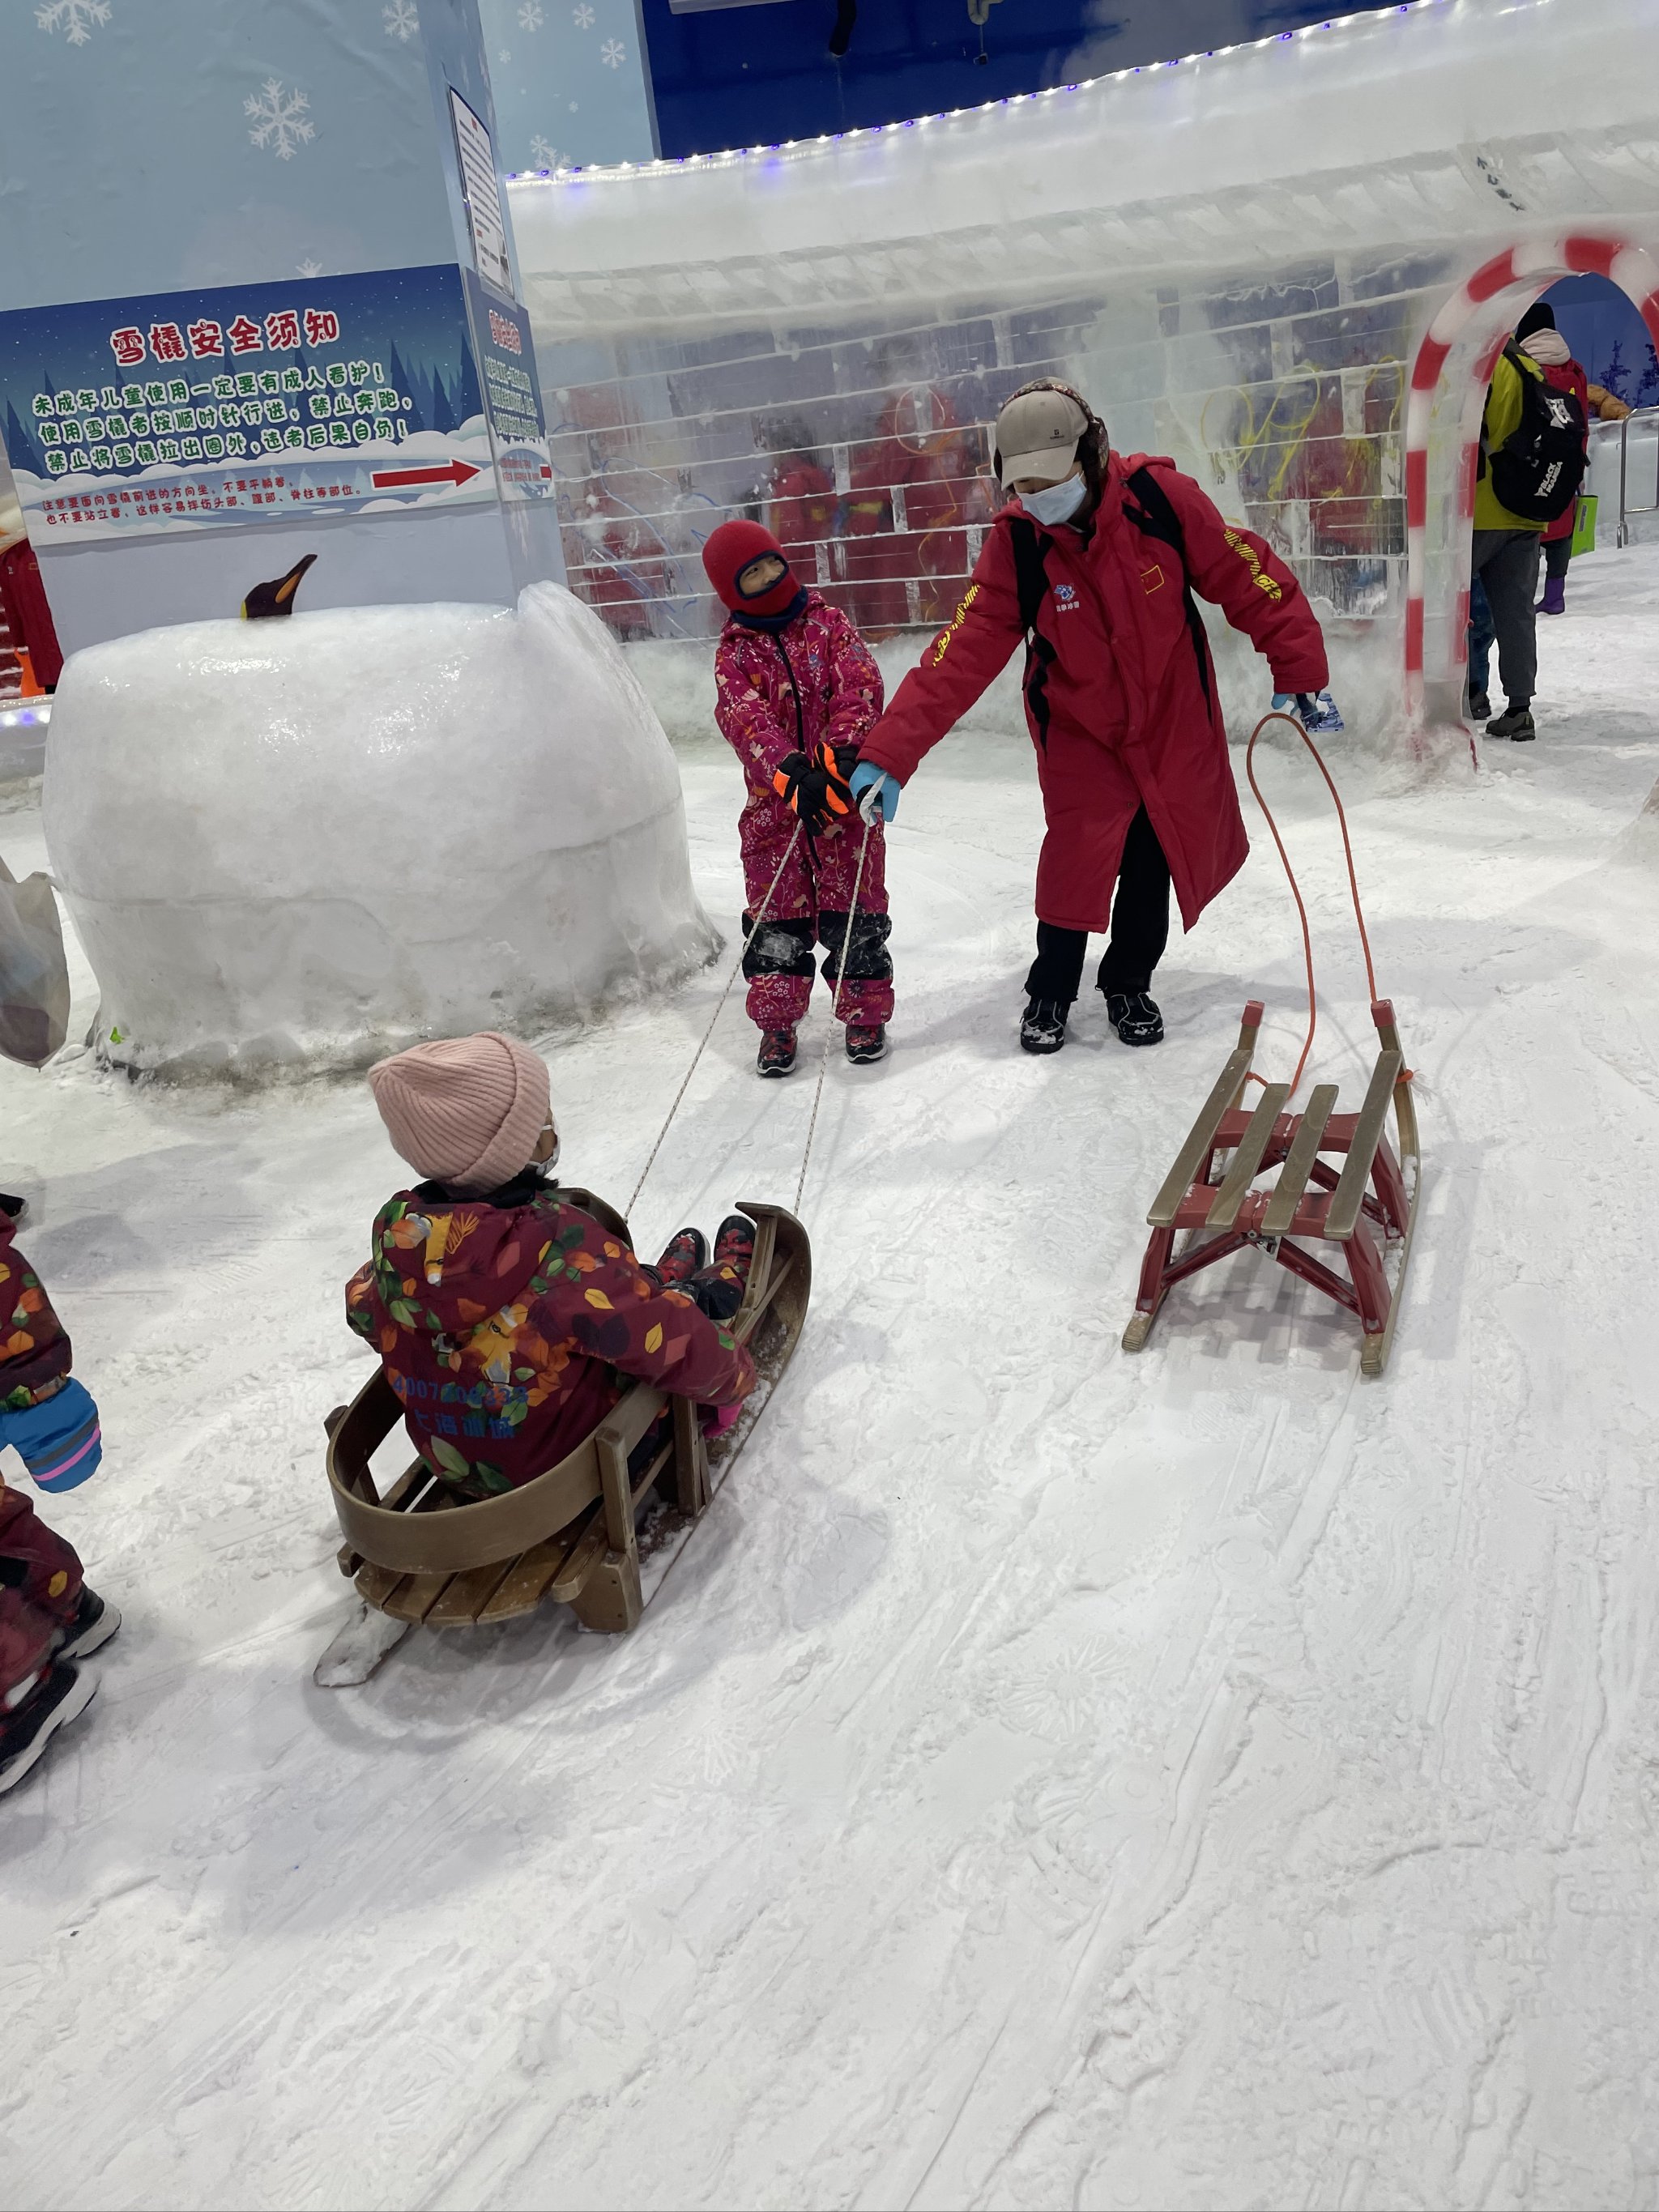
1506	562
1141	927
1557	551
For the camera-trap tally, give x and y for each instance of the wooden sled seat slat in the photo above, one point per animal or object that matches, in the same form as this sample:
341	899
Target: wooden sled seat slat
414	1597
1246	1163
465	1596
1342	1215
1200	1140
1298	1161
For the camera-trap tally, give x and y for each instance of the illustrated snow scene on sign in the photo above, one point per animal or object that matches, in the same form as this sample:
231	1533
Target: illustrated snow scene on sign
195	409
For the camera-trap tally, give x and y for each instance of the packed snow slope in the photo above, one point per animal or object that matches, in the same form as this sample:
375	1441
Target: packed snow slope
1050	1776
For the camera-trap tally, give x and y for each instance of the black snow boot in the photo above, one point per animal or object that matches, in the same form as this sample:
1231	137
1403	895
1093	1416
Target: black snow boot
1517	723
686	1252
1134	1016
60	1695
1480	707
777	1052
865	1040
1043	1026
14	1208
94	1624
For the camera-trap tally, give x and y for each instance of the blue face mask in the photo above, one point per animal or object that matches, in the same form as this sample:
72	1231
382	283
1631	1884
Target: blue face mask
1059	504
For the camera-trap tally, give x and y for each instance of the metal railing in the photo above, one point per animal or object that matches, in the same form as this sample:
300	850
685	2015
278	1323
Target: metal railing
1602	432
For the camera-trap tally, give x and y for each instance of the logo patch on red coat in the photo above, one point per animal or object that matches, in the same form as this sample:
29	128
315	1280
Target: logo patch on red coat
1151	579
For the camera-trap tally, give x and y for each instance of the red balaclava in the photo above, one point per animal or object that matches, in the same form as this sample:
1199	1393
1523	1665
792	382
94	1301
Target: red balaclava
728	551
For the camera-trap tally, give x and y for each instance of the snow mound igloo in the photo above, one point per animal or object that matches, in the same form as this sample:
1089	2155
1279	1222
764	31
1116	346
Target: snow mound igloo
313	841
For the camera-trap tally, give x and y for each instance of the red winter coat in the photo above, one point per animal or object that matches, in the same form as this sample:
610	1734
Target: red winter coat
793	690
1119	690
506	1330
34	1349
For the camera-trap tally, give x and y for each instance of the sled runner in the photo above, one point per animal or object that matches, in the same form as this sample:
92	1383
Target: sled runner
1367	1207
570	1535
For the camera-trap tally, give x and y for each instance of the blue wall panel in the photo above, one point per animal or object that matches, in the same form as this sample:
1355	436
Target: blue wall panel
753	75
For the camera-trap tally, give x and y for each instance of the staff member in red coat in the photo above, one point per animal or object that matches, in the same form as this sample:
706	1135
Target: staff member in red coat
1094	565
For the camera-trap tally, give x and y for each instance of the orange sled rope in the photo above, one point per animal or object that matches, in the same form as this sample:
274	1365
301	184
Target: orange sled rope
1366	1209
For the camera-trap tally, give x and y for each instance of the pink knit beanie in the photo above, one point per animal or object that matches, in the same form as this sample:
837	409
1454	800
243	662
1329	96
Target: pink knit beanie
464	1111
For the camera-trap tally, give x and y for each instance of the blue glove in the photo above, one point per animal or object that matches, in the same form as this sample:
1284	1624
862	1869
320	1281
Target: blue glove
1316	711
875	791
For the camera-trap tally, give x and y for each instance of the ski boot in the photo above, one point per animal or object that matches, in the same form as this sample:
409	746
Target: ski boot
1043	1028
776	1055
865	1040
1134	1016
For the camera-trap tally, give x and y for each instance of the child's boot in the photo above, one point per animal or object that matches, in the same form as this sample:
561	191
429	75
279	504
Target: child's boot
95	1621
684	1256
865	1040
777	1052
734	1244
57	1695
1043	1027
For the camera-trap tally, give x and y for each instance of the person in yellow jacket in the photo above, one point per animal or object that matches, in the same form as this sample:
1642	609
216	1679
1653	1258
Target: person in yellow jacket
1505	557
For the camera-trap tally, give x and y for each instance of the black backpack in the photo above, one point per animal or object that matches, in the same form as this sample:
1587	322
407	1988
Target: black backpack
1154	516
1537	470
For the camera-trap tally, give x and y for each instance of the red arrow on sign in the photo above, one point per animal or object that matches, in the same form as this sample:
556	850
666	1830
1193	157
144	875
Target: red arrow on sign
455	472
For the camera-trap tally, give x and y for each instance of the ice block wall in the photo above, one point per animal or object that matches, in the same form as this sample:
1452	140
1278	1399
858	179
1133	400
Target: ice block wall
306	842
1237	255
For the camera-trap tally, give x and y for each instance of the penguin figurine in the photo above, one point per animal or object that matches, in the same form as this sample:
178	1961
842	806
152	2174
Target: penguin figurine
265	600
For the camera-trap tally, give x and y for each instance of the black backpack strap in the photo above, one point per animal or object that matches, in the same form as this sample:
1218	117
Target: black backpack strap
1032	584
1155	517
1031	578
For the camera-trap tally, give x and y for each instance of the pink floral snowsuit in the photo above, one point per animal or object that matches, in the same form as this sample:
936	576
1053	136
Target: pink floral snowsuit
795	690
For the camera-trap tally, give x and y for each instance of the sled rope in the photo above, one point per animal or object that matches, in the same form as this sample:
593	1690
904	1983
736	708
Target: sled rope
760	918
835	1011
1296	892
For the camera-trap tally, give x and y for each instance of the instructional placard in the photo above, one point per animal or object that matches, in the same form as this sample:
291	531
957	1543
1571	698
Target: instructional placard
483	196
250	403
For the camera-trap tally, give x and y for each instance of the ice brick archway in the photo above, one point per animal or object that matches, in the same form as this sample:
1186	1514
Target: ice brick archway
1449	374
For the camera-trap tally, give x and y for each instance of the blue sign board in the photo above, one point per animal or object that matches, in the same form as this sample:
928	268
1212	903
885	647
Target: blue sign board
244	404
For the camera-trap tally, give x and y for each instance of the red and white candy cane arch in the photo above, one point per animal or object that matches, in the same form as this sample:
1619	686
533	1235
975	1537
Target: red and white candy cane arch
1535	267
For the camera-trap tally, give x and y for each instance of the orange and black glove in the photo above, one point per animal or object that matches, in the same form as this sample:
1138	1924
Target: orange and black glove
812	790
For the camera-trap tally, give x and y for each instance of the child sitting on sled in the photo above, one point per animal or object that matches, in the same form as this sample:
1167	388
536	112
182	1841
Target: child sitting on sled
48	1617
796	690
506	1317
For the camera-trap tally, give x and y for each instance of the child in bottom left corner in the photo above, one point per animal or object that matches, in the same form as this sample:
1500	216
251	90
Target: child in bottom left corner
49	1619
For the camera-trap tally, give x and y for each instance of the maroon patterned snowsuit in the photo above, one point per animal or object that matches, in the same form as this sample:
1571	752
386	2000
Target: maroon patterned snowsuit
796	690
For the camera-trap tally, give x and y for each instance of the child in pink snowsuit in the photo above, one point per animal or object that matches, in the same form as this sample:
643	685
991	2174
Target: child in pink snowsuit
797	692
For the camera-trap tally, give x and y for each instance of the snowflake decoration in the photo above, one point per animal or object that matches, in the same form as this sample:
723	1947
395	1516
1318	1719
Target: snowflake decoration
279	118
613	53
544	154
402	20
309	268
582	17
75	18
530	15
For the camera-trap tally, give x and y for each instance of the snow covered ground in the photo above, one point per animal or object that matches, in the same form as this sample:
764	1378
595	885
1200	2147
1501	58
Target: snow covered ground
1051	1776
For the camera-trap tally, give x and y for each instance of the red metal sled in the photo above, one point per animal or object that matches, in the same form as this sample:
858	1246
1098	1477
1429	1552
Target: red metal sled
1368	1208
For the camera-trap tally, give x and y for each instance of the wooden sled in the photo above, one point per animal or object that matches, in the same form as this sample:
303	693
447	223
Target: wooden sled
570	1535
1368	1208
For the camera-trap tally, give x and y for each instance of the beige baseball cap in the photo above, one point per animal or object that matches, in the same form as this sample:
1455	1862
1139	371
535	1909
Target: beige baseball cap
1037	434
